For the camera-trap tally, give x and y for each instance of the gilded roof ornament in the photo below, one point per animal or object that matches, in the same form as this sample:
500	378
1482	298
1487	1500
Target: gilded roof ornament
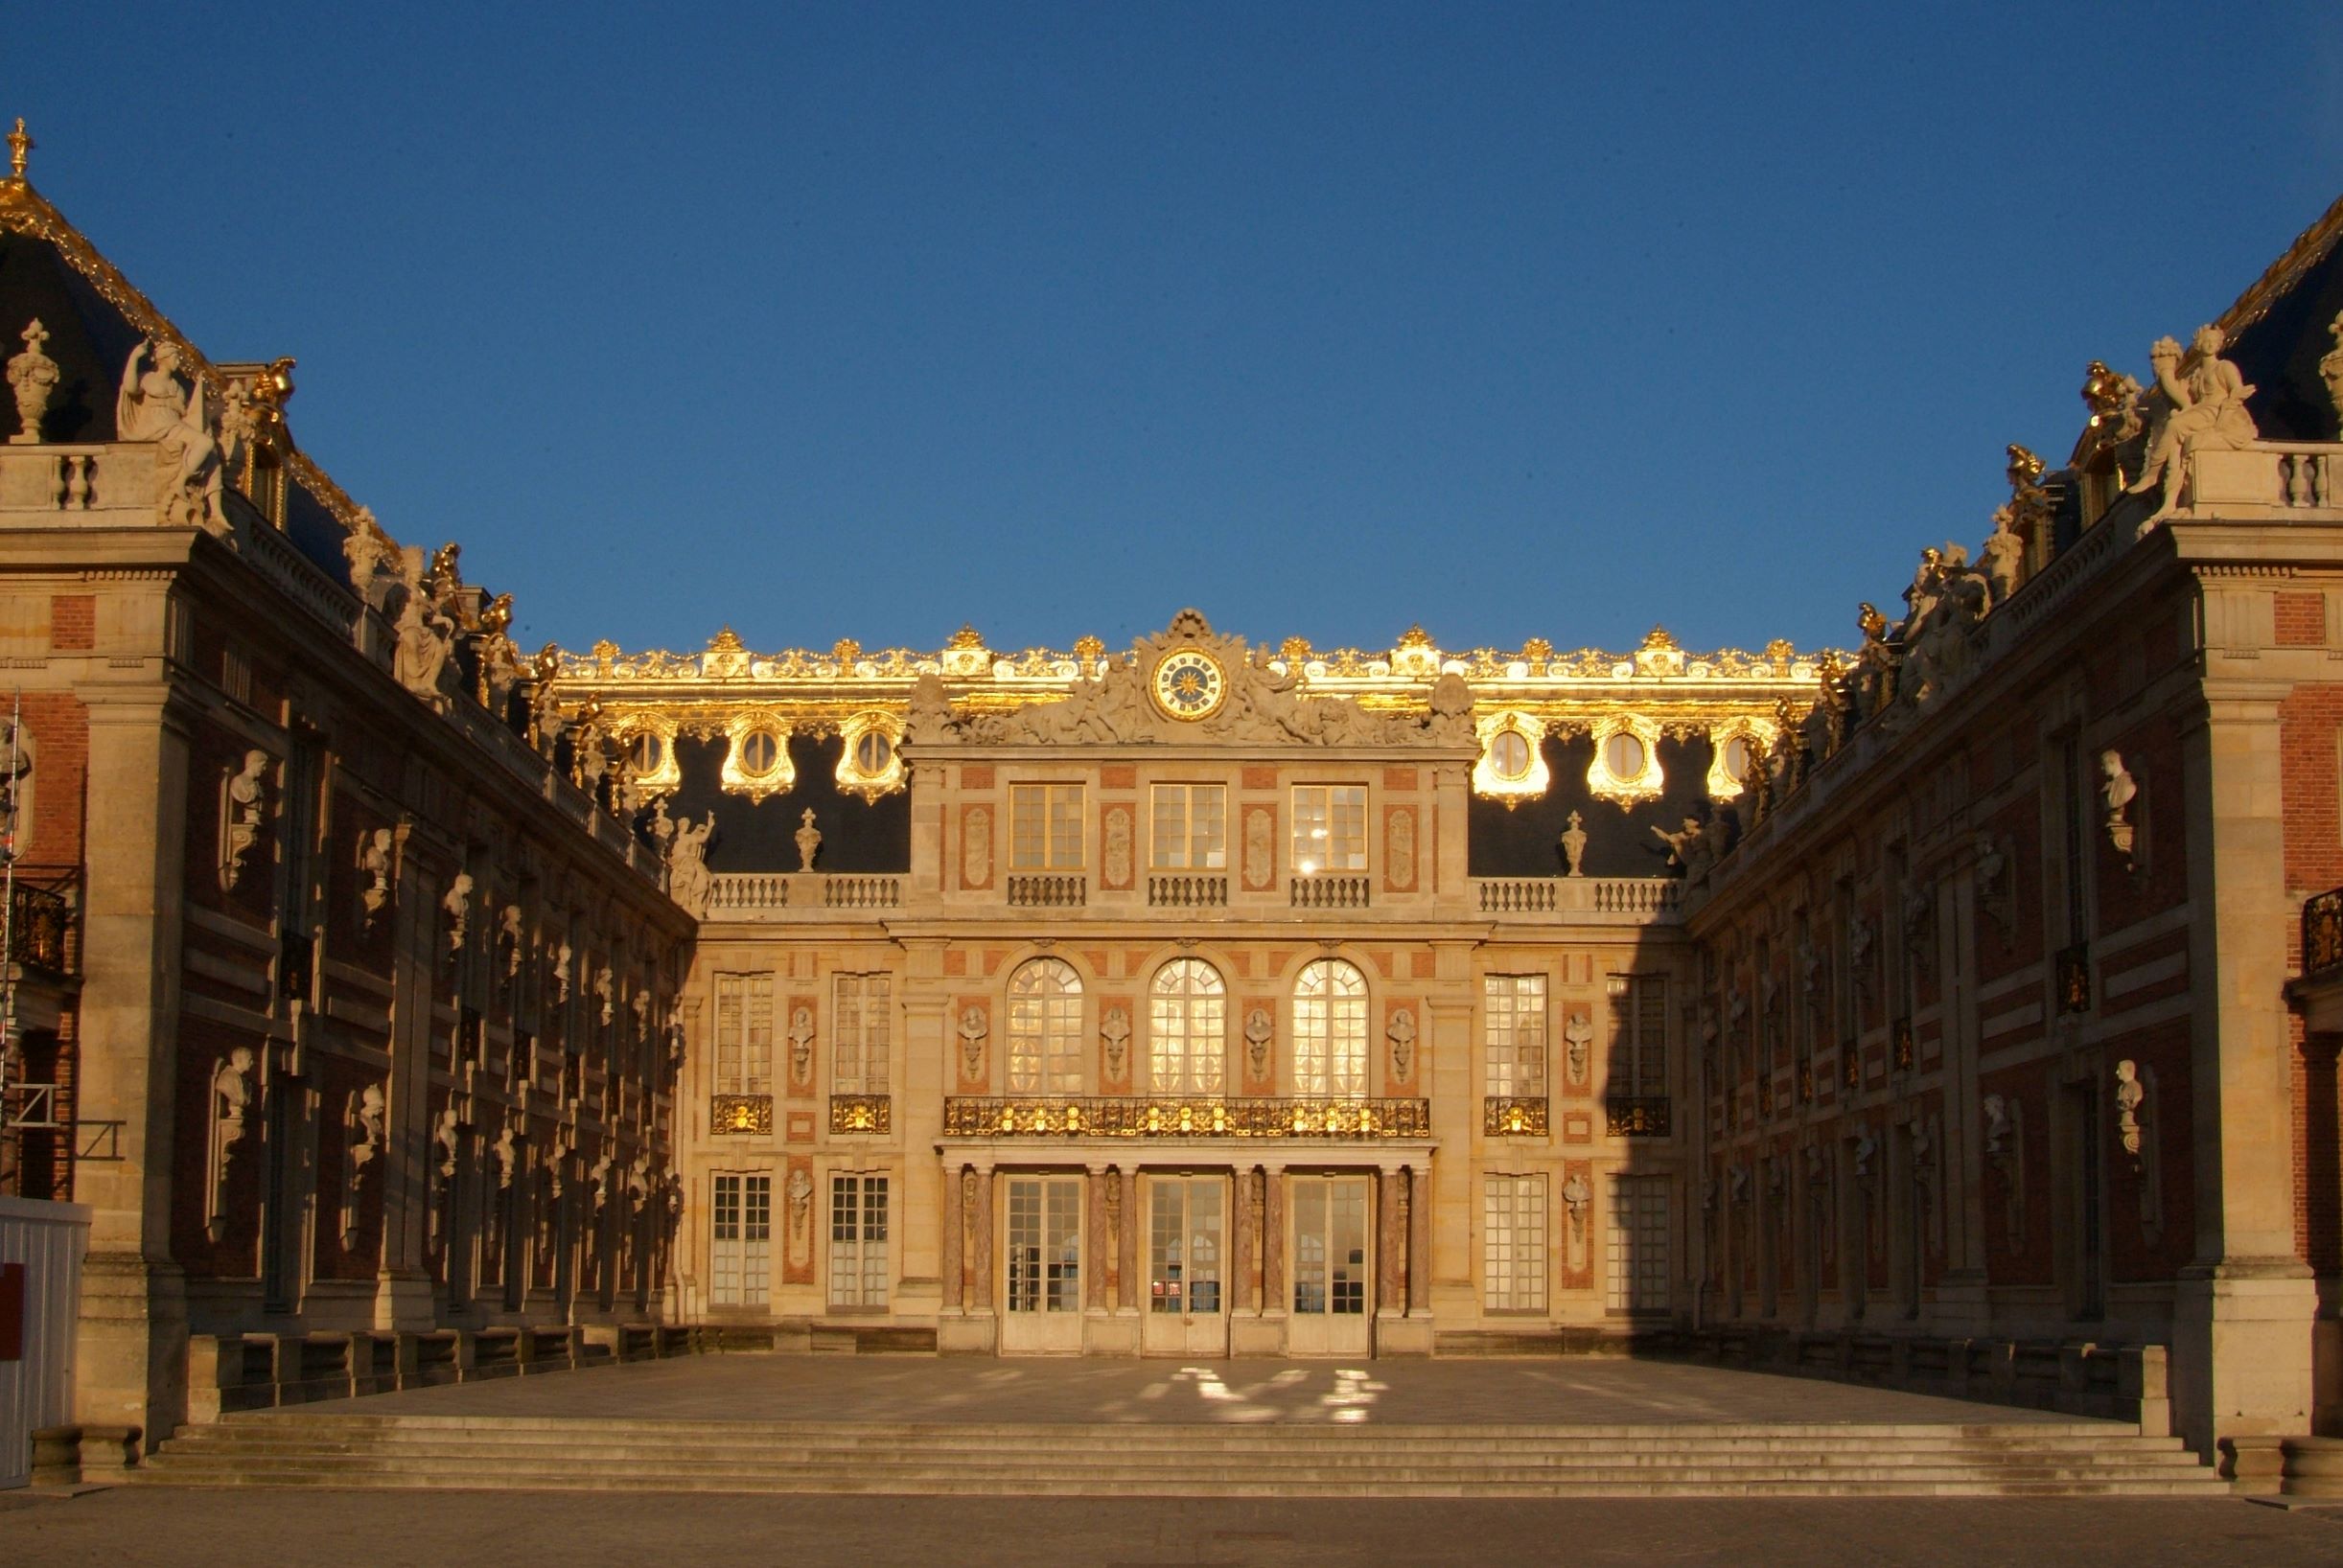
19	150
968	640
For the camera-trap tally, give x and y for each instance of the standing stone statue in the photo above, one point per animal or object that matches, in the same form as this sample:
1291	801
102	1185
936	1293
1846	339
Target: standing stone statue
2331	368
32	376
2206	409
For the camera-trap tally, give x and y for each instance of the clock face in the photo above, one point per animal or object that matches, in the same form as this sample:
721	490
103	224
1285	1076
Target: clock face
1189	684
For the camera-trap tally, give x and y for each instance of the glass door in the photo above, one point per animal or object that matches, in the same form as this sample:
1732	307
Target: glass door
1043	1226
1187	1309
1331	1260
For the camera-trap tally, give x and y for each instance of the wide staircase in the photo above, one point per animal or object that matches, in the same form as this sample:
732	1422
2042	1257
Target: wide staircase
2031	1459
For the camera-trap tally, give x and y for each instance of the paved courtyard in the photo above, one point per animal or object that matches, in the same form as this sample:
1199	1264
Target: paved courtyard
522	1529
1540	1392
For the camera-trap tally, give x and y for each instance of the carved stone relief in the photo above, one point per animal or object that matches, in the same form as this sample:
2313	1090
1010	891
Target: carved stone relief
1399	849
1258	1032
974	1026
1401	1031
976	847
1577	1047
802	1046
361	1145
1259	847
1114	1039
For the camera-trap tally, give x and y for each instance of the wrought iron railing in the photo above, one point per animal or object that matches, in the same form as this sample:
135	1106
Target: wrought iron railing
1635	1116
861	1114
39	921
1149	1116
1513	1115
2323	932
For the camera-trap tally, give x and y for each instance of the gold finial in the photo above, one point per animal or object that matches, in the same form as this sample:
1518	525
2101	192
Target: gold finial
19	148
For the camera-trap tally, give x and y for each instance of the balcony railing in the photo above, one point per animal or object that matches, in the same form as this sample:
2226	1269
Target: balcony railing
1513	1115
2323	932
1564	895
1048	892
1147	1117
861	1114
1329	892
1180	891
39	919
741	1116
1635	1116
755	894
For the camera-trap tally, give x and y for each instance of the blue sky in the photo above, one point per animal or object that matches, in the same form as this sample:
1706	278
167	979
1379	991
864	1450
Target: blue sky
864	321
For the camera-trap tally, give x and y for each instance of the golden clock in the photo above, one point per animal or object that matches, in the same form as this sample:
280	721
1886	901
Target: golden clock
1190	684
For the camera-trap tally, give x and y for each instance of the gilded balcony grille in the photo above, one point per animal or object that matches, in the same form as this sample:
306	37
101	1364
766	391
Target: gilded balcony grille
2323	932
1146	1117
1325	893
861	1113
1635	1116
1187	892
1513	1115
38	921
1048	892
2074	977
741	1116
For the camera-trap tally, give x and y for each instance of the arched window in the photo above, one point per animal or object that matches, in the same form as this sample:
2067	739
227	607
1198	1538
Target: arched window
1187	1014
1329	1030
1045	1028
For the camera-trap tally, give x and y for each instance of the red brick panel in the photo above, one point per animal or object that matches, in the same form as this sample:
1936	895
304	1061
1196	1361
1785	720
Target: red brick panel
2308	722
73	621
2301	620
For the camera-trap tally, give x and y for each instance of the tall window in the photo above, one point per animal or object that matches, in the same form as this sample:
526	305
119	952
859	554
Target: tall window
740	1260
744	1034
858	1240
1190	828
1187	1012
1045	1028
1513	1243
1513	1035
1329	1029
1636	1277
1329	827
859	1008
1045	827
1640	1036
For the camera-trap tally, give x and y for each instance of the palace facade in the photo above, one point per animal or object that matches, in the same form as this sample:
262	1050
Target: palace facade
1956	1008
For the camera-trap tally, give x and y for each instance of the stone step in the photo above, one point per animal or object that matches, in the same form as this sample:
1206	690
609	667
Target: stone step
470	1478
588	1448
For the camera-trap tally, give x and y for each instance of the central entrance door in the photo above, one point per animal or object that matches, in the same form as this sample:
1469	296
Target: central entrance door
1187	1309
1330	1267
1044	1276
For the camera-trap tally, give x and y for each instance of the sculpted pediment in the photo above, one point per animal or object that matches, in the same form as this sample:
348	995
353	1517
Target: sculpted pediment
1189	682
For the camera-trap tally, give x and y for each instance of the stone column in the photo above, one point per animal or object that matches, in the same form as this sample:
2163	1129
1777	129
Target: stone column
1273	1242
955	1229
1100	1243
132	1346
1419	1242
980	1244
1126	1242
2242	1314
1243	1245
1390	1244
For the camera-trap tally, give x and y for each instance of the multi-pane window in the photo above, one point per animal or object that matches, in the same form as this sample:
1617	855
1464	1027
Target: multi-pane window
1636	1259
1329	827
1045	827
1190	828
1513	1243
1640	1036
860	1005
1045	1028
1045	1245
1187	1013
858	1240
740	1253
744	1034
1513	1035
1329	1029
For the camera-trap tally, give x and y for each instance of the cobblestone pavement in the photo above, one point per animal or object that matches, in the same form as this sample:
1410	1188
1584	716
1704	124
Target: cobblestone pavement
1528	1391
521	1530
